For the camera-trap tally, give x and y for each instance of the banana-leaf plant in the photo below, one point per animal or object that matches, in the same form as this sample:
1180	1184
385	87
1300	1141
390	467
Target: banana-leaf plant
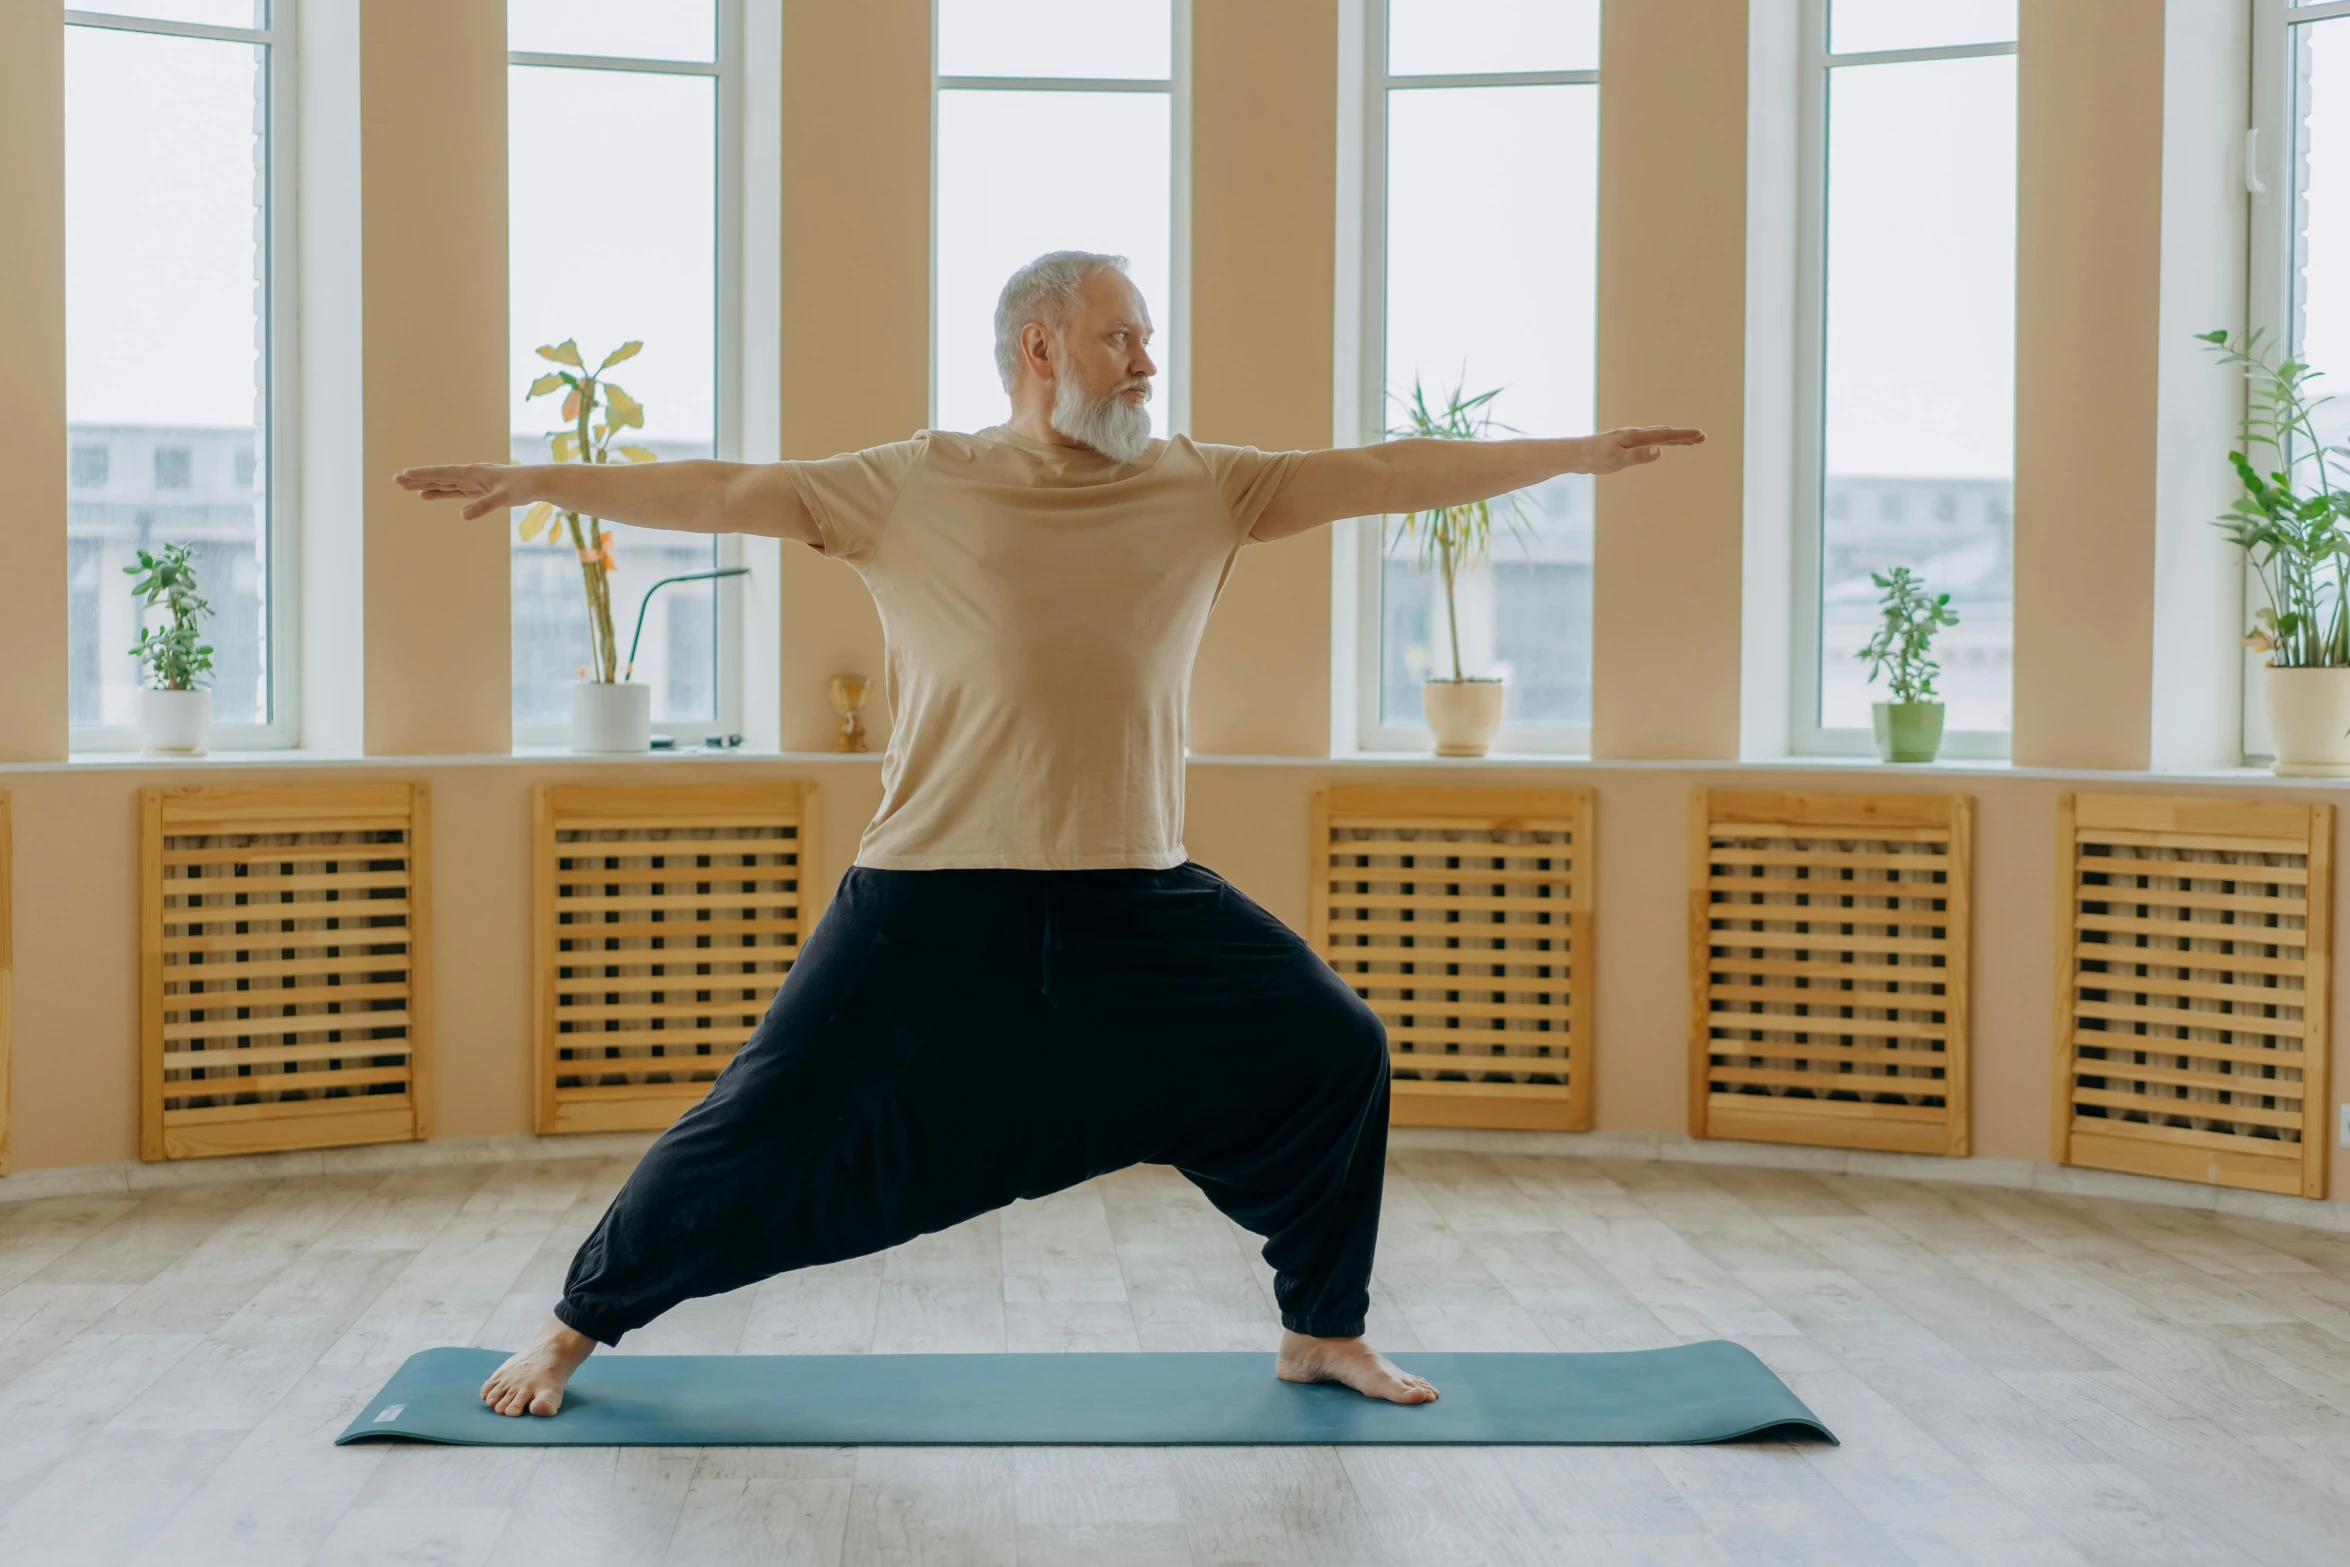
589	438
1453	539
2293	519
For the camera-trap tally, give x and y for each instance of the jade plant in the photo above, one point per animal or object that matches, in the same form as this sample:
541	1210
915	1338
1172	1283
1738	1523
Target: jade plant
1902	648
174	654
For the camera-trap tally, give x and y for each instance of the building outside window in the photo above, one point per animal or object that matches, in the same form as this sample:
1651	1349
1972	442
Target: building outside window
1480	198
2298	178
178	276
1908	444
620	210
1100	89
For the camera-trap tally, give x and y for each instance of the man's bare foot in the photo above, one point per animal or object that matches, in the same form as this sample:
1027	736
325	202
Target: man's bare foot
1352	1362
532	1382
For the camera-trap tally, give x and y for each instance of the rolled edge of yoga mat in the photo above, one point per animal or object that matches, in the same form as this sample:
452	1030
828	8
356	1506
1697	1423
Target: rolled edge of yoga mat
1714	1391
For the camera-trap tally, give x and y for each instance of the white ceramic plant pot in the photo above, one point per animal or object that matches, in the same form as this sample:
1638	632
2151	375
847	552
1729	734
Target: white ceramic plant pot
2309	719
616	717
1464	715
174	723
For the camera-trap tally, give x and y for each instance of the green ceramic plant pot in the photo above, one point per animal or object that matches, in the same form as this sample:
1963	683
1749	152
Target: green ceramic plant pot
1907	731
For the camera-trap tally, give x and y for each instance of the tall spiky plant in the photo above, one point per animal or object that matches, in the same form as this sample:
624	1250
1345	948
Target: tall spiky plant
1453	539
589	440
2293	521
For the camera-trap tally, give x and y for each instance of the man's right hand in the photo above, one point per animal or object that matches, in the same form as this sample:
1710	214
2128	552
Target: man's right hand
484	487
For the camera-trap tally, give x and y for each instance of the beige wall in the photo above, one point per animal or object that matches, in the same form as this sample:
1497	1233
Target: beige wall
32	391
2089	89
1264	166
854	323
432	109
856	304
1672	332
76	962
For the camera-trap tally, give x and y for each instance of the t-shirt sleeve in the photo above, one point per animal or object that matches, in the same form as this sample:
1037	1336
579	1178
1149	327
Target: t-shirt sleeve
851	495
1248	480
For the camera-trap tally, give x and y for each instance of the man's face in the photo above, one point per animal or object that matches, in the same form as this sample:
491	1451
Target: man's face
1106	344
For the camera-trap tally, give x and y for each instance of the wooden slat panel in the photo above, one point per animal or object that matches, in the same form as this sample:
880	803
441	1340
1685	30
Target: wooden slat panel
2194	870
593	1075
302	859
2286	1053
1882	883
7	966
2188	845
2179	1017
2217	1082
1512	895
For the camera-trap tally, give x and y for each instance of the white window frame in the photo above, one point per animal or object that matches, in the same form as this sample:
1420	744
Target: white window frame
1361	554
1175	342
277	473
726	69
1808	737
2271	306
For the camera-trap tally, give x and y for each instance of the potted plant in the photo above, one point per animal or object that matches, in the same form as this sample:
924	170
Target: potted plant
2290	524
609	712
1908	728
175	713
1463	710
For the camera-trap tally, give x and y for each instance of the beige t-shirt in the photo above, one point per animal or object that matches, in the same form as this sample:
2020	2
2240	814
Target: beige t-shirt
1042	606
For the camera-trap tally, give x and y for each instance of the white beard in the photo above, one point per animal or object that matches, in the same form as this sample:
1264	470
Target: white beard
1104	423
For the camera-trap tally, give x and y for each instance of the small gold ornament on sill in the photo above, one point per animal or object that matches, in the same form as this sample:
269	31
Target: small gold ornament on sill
848	700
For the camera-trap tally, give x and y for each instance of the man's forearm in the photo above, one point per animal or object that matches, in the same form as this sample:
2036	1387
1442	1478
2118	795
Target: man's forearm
1421	475
684	497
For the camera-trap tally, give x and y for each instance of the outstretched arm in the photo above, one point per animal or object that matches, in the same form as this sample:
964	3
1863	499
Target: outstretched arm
683	497
1399	477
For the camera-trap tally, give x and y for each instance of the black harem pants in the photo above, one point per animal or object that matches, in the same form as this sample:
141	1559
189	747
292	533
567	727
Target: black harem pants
951	1040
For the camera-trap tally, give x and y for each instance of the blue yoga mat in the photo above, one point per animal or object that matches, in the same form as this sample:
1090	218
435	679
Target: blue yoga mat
1710	1392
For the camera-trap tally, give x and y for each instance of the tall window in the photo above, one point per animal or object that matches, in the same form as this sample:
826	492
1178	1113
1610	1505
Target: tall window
1910	123
177	268
2298	169
618	174
1480	222
1090	88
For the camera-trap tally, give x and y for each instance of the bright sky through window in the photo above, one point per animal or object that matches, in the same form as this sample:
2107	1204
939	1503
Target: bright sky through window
1019	173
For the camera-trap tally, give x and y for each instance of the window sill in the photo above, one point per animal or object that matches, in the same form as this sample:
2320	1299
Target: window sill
520	756
1947	767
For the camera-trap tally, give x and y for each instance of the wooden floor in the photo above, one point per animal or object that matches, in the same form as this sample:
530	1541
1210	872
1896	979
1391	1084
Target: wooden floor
2017	1378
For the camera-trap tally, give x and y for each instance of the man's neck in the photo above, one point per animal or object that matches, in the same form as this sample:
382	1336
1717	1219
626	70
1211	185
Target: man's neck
1035	422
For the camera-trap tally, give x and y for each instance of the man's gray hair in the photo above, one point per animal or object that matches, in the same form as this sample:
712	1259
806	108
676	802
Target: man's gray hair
1046	290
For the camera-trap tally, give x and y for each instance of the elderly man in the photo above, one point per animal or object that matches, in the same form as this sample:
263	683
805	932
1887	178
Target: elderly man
1023	981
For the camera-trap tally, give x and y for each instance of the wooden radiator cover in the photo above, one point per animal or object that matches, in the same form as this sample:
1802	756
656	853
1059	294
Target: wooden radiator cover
667	916
7	969
284	968
1463	917
2194	942
1828	960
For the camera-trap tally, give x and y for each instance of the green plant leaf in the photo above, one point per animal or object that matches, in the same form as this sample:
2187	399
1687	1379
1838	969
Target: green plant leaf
563	353
627	350
621	410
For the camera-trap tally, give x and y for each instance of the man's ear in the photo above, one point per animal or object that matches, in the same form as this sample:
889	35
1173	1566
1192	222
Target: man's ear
1036	349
